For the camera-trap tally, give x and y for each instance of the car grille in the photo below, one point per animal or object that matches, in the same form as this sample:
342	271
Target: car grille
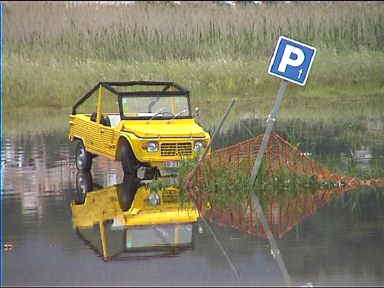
169	196
174	149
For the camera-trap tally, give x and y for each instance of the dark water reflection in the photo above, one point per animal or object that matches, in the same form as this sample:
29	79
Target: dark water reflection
341	244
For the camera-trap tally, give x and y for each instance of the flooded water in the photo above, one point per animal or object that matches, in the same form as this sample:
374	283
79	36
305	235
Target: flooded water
341	244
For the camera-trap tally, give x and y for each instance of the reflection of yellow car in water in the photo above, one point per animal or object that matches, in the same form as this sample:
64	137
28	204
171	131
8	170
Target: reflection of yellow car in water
142	219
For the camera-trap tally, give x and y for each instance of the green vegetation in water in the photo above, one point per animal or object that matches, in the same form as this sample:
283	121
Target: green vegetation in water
361	202
157	184
226	186
178	182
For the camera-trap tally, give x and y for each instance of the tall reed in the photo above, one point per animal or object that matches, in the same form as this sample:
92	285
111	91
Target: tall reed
158	32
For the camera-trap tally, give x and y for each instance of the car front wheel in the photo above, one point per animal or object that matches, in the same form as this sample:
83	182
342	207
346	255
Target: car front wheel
128	159
83	158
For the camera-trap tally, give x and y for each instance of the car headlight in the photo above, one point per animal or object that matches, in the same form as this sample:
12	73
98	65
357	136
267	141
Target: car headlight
152	147
198	146
154	199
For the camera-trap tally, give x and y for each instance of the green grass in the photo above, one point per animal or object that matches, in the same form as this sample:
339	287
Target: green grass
54	84
56	54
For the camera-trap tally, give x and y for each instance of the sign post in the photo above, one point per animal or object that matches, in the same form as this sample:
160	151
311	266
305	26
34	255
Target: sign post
291	62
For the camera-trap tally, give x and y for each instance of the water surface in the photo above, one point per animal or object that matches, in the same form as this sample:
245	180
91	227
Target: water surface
341	244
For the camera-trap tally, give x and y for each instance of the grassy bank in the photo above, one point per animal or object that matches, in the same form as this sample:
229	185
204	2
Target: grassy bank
330	92
54	54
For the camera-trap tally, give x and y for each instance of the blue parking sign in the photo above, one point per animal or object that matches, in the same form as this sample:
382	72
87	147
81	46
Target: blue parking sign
292	60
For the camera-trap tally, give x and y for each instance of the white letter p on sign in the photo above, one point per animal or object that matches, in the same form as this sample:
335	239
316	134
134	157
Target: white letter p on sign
287	60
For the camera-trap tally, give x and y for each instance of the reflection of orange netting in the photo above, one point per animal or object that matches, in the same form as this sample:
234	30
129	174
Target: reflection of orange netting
281	215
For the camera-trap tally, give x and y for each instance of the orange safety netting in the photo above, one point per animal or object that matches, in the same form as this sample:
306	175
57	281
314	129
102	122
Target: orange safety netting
282	216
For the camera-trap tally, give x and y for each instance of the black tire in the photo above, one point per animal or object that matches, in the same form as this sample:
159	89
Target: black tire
83	158
128	159
127	191
83	186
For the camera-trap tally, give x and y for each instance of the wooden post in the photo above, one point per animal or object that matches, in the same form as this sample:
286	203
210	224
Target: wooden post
255	201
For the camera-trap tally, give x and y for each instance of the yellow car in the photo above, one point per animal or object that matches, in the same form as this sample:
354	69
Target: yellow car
141	215
146	125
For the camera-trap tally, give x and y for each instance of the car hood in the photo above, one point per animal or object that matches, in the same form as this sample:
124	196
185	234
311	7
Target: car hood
129	205
163	128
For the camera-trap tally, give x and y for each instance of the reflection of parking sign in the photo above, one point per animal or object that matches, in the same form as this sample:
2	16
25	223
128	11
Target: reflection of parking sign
292	60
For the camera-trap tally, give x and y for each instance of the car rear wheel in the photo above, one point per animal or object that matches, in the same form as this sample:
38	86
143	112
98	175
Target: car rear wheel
128	159
83	158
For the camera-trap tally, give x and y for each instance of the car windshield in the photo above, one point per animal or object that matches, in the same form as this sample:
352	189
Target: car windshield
155	106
